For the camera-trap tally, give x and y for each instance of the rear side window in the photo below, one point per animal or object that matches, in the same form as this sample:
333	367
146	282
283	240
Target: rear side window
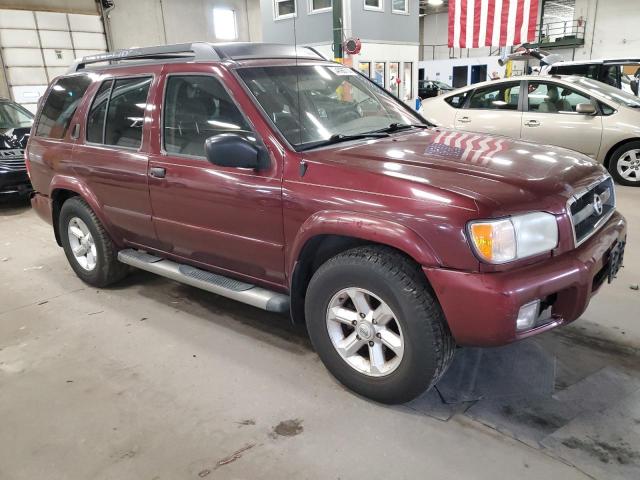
125	113
61	104
197	107
503	96
98	113
457	101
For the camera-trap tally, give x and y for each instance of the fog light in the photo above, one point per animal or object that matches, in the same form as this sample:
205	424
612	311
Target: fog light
527	315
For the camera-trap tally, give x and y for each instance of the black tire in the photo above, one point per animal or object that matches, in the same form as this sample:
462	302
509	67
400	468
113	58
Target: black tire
616	156
108	269
399	282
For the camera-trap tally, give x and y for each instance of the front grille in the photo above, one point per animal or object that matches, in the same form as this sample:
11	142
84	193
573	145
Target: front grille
12	160
591	209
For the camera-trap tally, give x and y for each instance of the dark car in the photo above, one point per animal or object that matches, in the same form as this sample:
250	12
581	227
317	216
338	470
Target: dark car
15	125
432	88
252	171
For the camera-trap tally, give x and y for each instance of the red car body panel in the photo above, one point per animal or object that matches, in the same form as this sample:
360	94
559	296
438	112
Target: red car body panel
394	191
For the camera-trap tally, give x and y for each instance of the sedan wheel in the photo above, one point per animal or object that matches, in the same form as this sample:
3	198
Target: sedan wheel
629	165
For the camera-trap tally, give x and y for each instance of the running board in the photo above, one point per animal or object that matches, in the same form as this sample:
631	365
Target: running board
211	282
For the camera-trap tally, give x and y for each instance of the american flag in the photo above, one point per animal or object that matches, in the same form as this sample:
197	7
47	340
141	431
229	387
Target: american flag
491	23
468	147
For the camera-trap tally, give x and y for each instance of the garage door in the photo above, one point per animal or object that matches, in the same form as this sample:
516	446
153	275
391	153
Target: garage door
38	46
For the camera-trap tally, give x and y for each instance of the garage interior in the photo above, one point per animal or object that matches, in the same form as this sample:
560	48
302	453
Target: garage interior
153	379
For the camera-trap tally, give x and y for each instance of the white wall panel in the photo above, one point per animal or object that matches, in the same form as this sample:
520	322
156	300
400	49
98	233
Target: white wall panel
58	57
86	53
55	39
52	21
26	76
55	71
22	57
28	93
32	107
85	23
17	19
19	38
89	41
27	36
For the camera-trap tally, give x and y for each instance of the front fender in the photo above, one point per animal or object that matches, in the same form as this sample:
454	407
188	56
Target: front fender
364	227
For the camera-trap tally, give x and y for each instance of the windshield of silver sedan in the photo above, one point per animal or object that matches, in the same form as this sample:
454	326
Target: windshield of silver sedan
314	105
610	93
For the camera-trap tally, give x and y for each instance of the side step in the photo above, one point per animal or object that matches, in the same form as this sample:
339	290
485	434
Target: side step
211	282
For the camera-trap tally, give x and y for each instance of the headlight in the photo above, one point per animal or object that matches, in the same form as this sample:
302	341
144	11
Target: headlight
520	236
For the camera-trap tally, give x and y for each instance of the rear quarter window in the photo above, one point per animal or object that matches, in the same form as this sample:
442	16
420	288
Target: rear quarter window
60	106
457	101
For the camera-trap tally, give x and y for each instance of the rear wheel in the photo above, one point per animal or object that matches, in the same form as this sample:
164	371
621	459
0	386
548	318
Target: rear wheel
88	248
376	324
624	165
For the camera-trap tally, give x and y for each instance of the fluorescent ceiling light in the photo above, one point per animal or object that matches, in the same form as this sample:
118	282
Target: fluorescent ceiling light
435	3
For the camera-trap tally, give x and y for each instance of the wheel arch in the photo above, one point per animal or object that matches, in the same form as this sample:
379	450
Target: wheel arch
613	148
64	188
327	234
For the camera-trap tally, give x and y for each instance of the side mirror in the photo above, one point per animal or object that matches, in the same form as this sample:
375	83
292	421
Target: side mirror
233	150
634	86
586	108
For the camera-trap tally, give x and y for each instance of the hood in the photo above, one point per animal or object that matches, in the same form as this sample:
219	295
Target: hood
498	173
14	138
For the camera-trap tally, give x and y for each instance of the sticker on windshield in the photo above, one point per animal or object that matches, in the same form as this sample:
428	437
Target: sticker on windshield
342	71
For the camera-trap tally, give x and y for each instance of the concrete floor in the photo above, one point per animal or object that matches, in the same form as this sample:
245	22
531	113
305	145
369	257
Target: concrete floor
155	380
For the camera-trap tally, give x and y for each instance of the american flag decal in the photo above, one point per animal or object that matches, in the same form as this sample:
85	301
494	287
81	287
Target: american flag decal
468	147
491	23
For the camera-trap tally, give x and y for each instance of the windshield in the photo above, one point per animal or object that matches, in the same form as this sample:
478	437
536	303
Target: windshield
311	104
607	91
14	116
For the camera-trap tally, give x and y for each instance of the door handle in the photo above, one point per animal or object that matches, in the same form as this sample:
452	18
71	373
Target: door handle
532	123
157	172
464	120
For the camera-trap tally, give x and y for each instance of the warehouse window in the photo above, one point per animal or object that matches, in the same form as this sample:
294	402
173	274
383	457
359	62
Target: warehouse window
400	6
61	104
375	5
225	26
284	9
318	6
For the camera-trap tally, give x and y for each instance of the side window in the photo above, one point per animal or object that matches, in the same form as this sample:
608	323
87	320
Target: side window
61	104
125	114
501	97
457	101
551	98
197	107
98	113
606	109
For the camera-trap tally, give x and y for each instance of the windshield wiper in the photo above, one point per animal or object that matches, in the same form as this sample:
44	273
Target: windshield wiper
341	137
394	127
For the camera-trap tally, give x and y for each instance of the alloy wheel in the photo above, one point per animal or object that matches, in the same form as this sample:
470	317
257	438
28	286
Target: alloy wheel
629	165
82	244
365	332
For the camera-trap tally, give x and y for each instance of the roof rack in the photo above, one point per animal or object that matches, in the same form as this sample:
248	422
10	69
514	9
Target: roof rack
200	52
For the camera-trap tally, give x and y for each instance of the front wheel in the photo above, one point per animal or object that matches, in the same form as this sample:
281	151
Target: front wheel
376	324
624	165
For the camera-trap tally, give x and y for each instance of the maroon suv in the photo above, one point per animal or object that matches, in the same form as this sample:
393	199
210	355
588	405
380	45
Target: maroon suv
269	175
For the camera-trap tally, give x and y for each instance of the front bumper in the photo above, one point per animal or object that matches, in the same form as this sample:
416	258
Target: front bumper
481	308
15	183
